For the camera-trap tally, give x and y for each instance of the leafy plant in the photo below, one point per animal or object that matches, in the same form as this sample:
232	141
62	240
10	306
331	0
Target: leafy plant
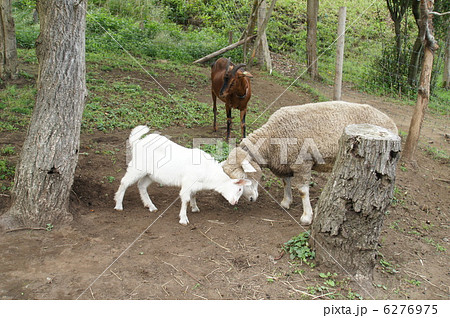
298	248
387	266
414	282
7	150
7	170
329	278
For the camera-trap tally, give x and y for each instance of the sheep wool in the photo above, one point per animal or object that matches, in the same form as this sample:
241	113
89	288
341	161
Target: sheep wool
295	140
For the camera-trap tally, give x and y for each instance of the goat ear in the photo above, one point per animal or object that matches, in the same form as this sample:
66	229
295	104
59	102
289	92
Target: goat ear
242	182
247	166
247	74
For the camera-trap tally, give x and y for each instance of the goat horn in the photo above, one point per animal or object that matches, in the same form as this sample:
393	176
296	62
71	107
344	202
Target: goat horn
228	65
236	68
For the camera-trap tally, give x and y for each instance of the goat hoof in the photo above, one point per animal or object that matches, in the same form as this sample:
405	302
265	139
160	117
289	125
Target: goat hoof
118	208
184	222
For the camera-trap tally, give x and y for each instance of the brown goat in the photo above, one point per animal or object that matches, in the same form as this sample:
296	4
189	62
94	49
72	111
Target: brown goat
232	86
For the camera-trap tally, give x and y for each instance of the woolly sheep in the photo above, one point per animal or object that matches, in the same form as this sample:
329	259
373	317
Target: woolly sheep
295	140
157	159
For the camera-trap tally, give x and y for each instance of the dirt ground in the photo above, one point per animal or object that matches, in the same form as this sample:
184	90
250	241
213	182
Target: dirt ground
225	252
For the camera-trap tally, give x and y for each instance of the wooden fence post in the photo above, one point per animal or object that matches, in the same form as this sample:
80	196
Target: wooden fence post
337	94
351	208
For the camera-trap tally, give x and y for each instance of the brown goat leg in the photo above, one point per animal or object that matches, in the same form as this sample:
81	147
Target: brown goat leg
214	98
228	123
243	113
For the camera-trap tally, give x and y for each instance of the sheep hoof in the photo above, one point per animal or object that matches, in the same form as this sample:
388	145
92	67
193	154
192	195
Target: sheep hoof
305	220
118	208
195	210
285	204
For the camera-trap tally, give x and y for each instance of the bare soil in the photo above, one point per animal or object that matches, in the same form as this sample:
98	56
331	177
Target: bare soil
225	252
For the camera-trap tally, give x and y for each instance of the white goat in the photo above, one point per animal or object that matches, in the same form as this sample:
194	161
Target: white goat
157	159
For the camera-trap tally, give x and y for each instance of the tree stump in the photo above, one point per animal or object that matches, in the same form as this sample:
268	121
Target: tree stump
351	208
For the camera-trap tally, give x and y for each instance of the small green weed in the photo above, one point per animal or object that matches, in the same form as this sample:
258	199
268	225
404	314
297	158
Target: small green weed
352	296
109	179
438	154
298	248
387	266
7	150
7	170
399	197
381	286
219	150
414	282
330	279
438	246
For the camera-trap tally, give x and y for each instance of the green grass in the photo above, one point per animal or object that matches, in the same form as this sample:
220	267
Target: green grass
16	106
7	169
438	154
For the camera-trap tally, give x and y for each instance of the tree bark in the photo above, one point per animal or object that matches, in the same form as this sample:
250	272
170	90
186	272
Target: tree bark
8	48
264	59
261	31
250	27
223	50
423	94
414	62
311	38
446	75
44	174
351	208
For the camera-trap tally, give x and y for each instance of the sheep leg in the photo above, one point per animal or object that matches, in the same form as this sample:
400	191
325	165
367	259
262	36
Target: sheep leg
214	98
307	215
243	113
287	199
131	177
301	179
228	122
185	198
142	186
194	207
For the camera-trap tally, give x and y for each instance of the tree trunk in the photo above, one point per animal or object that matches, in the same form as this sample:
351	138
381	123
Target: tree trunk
446	76
423	94
311	38
417	48
8	49
264	59
261	31
44	174
351	208
250	27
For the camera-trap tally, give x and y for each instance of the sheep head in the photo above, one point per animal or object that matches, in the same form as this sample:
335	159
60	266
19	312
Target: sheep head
240	165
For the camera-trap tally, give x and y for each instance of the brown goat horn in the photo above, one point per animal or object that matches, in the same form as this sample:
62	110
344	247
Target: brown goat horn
236	68
228	65
226	77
